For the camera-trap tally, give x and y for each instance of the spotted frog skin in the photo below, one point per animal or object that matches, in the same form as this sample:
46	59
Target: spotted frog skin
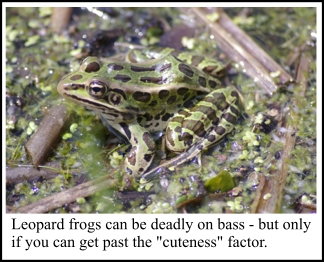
156	90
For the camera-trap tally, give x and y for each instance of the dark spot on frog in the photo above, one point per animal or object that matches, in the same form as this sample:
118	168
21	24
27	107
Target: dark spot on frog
148	117
171	99
163	94
115	67
186	138
202	81
147	157
186	70
92	67
126	130
220	130
235	94
142	96
187	103
234	110
211	138
75	77
142	69
183	90
147	138
196	126
167	116
153	80
230	118
157	116
212	83
140	119
123	78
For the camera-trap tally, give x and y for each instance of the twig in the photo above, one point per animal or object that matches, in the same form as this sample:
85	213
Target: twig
57	200
47	134
309	206
277	181
291	58
60	18
20	174
259	194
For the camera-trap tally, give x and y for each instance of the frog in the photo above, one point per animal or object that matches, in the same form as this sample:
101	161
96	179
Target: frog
156	90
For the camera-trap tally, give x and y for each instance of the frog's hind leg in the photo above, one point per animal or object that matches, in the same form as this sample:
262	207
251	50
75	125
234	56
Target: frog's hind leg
220	107
206	123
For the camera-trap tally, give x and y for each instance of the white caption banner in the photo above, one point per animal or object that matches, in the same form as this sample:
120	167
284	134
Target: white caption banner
175	236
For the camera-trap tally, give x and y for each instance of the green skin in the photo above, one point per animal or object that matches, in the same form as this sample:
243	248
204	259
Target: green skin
172	91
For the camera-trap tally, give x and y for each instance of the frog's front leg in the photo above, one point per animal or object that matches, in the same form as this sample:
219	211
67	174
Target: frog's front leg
206	123
142	152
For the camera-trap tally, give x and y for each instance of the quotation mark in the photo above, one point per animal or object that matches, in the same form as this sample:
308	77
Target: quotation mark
219	238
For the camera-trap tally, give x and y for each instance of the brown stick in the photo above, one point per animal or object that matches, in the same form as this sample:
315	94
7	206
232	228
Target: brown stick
47	134
57	200
259	194
277	181
20	174
60	18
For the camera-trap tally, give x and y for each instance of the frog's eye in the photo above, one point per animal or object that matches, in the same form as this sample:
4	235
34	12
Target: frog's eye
97	89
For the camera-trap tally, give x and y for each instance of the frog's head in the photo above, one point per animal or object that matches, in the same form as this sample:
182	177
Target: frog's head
86	82
90	87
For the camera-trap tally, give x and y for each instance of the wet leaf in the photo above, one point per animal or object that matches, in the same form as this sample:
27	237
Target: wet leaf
222	182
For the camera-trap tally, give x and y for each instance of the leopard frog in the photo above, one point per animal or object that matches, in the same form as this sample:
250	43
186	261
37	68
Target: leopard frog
156	90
